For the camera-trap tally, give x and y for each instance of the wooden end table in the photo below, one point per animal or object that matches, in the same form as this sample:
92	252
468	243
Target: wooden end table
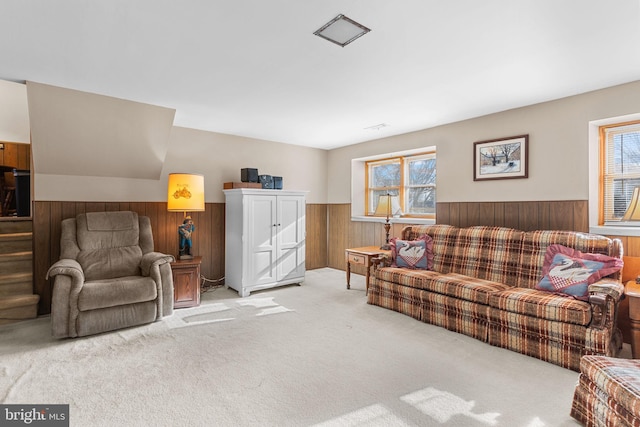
632	290
186	282
362	256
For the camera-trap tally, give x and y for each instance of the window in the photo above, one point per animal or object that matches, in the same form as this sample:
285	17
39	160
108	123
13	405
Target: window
620	169
411	178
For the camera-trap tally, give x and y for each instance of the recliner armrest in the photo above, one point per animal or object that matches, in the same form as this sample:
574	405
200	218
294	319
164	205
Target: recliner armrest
67	267
151	259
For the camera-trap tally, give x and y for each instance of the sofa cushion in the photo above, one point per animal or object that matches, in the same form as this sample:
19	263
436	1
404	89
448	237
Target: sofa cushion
444	241
467	288
570	272
452	284
542	305
110	293
418	279
489	253
412	253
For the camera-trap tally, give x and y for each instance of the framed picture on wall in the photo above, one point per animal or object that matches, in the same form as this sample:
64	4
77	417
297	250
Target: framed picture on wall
503	158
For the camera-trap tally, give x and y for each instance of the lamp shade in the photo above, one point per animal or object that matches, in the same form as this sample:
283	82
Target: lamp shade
185	192
633	210
387	205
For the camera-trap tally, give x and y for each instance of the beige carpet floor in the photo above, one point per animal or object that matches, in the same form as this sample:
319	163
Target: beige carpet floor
315	354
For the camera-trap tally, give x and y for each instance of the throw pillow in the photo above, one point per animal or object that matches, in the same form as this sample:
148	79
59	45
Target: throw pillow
570	272
414	254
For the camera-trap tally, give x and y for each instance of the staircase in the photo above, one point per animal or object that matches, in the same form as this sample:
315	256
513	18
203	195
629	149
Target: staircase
17	301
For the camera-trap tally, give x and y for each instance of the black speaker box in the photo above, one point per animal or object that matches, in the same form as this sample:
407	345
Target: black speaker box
266	181
277	182
249	175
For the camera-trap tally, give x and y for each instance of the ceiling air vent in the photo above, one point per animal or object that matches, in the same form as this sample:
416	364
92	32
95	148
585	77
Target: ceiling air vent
341	30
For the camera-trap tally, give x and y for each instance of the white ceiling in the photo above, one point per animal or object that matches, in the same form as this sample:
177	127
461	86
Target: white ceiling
254	68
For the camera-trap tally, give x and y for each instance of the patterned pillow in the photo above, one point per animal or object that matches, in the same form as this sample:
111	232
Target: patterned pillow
570	272
414	254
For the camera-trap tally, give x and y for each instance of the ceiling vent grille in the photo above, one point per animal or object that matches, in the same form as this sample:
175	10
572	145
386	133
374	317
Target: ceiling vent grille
341	30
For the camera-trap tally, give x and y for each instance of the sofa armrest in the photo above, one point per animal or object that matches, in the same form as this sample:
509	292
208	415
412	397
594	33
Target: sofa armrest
382	260
609	287
67	267
151	259
604	296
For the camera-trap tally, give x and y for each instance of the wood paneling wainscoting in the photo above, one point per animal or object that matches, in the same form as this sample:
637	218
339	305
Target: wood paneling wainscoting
549	215
572	215
208	239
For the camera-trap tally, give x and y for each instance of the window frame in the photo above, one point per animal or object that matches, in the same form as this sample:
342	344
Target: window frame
402	188
604	176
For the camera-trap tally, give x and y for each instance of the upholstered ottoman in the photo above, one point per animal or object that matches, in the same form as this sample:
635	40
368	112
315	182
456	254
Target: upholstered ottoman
608	392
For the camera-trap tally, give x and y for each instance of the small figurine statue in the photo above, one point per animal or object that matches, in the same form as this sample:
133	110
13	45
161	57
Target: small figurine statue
184	231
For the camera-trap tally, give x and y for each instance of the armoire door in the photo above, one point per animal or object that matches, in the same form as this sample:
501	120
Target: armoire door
261	236
290	238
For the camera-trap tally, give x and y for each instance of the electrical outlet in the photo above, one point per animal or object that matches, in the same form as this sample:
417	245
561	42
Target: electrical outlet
1	146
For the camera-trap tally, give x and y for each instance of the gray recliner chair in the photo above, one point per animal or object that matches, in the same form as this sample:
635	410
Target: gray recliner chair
108	276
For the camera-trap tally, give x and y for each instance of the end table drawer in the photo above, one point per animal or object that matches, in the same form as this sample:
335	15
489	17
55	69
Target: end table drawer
357	259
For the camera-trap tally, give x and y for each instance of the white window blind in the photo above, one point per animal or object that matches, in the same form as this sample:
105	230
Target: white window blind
620	146
384	177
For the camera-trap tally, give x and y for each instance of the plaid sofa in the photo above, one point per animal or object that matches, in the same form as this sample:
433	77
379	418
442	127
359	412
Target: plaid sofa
483	285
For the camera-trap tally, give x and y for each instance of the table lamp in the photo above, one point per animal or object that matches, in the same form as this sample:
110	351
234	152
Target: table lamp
633	210
387	205
185	193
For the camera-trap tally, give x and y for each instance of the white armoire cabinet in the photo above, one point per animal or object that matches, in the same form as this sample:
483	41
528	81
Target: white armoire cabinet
264	238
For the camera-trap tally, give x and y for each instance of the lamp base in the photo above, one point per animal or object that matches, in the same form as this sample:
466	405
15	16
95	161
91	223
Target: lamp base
386	247
185	256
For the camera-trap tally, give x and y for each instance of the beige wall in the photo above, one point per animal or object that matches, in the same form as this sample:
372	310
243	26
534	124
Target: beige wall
85	134
558	149
558	157
218	157
14	113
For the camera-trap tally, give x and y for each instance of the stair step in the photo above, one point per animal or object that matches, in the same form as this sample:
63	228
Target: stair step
16	256
18	262
16	284
7	237
19	307
15	242
15	226
18	301
11	278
